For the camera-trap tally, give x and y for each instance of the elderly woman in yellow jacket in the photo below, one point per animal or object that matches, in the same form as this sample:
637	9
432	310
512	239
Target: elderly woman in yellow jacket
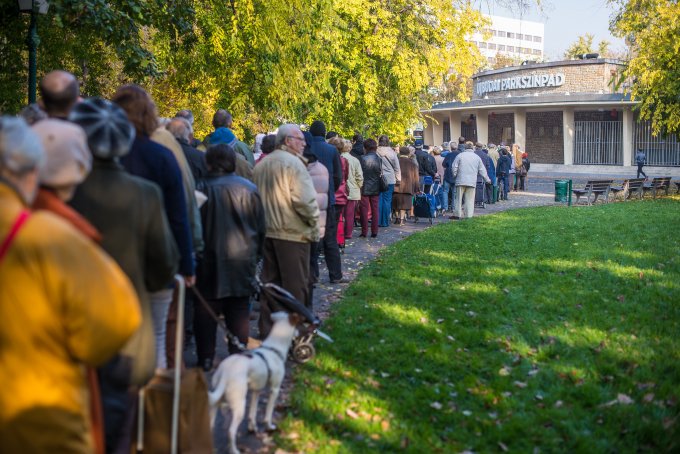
65	304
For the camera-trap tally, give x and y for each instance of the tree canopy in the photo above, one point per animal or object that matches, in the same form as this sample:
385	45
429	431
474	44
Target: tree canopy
584	45
356	64
652	29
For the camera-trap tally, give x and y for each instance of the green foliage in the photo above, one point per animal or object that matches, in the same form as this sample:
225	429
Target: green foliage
356	64
652	29
584	45
531	330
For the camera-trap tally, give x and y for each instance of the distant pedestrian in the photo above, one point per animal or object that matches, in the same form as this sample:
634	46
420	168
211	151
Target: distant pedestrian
357	146
524	171
392	173
466	168
59	91
355	180
640	160
503	174
407	188
371	167
517	160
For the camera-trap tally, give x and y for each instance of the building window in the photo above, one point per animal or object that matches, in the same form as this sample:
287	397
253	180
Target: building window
537	39
520	36
511	48
511	35
501	34
537	51
501	47
482	45
528	37
492	46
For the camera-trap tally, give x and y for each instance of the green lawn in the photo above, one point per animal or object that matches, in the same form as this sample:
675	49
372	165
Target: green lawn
536	330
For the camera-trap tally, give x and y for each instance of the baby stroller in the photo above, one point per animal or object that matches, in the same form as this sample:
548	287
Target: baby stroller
281	299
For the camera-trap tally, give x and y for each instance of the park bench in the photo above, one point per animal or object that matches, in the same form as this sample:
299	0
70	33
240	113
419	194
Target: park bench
677	183
594	188
630	187
658	184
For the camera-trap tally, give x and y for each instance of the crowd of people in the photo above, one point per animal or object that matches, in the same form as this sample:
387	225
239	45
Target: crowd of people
102	202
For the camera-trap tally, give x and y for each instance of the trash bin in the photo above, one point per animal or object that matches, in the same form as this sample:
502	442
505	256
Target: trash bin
561	190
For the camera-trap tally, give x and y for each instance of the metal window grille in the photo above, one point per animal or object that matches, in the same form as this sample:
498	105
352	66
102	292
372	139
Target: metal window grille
662	150
598	142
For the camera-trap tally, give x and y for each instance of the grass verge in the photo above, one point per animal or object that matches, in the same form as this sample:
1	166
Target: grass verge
536	330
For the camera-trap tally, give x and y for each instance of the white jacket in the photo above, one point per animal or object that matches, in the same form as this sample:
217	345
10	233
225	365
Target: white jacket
465	168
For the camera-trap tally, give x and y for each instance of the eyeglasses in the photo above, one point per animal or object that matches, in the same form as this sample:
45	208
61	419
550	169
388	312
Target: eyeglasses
302	139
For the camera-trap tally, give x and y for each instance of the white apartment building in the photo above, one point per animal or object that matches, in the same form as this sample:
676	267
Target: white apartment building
516	38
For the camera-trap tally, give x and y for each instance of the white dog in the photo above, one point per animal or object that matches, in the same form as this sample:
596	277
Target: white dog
254	370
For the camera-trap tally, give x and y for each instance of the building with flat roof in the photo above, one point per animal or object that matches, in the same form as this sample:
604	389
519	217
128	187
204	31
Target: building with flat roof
567	115
516	38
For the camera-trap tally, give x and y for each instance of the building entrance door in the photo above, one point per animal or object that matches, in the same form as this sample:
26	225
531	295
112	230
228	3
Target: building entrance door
598	142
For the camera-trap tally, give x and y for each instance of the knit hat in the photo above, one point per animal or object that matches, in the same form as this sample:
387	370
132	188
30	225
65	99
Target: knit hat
318	129
67	158
109	133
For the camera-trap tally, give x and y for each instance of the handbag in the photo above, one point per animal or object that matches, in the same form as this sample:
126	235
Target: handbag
382	183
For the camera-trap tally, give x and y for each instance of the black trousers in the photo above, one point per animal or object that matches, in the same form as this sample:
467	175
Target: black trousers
329	246
236	311
640	171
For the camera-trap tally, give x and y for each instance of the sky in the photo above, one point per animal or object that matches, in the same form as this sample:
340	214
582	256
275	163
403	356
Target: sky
565	21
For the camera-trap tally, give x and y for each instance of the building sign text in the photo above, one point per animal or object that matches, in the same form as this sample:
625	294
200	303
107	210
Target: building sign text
520	82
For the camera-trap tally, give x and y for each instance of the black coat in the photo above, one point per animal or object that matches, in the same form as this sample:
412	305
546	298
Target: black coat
196	160
503	165
448	166
426	163
357	150
371	166
233	230
328	155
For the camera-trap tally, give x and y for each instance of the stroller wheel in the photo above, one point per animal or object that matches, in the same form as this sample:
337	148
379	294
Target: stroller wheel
303	352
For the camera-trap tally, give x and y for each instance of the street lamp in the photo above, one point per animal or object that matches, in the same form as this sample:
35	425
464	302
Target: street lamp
31	6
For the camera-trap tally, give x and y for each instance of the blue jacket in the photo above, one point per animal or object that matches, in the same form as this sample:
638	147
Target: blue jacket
154	162
220	135
448	164
328	155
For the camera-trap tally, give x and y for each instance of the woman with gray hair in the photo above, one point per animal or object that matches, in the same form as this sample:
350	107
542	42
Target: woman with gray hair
69	305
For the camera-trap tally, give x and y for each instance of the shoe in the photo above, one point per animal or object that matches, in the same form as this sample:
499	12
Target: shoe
342	280
207	365
373	235
454	217
362	236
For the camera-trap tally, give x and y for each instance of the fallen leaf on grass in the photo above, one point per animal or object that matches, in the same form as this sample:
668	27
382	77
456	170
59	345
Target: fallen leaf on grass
558	404
427	282
620	399
351	413
668	423
520	384
502	446
648	397
436	405
385	425
293	436
467	412
440	320
504	371
404	443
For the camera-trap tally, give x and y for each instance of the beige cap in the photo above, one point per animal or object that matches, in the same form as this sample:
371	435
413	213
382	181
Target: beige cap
67	158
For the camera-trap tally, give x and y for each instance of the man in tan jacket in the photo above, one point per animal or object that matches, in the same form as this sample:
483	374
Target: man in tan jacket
292	216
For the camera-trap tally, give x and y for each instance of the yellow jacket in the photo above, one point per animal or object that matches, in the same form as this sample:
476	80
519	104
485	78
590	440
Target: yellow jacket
288	197
63	304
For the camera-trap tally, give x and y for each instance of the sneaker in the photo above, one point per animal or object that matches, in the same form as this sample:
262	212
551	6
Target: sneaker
342	280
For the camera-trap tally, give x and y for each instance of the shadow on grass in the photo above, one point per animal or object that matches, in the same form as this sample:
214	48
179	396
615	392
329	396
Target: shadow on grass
515	331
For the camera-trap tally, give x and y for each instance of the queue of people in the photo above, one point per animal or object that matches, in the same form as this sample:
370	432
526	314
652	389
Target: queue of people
103	202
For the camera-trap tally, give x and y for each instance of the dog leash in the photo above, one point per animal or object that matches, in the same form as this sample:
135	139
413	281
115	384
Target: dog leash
228	335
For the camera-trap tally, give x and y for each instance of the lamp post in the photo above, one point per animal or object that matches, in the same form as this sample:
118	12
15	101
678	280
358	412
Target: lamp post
33	6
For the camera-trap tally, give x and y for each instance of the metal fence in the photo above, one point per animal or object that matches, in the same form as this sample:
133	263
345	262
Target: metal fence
598	142
662	150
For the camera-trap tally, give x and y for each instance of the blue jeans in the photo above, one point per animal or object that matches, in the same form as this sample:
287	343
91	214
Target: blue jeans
385	206
445	195
505	181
